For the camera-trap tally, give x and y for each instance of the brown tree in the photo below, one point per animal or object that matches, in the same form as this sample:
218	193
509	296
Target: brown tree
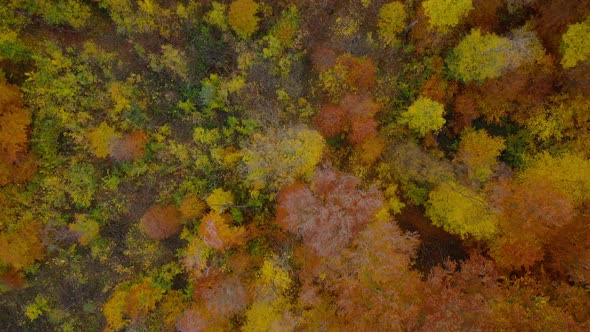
160	222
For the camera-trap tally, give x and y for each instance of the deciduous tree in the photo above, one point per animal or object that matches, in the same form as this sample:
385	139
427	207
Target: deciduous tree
160	222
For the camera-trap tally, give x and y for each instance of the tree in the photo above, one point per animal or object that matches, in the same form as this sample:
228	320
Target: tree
100	139
329	214
375	288
16	164
392	20
129	147
216	232
331	120
423	116
192	207
220	200
270	310
276	158
461	211
445	14
576	44
22	245
478	151
14	123
480	56
160	222
242	17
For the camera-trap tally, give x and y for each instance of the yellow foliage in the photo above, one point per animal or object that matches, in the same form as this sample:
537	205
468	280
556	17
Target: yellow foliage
191	207
568	172
86	228
479	152
576	44
219	200
100	139
392	20
273	160
445	14
461	211
242	17
424	115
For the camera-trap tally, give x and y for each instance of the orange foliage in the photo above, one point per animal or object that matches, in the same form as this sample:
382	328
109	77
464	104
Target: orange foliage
14	123
362	130
370	150
484	14
465	111
570	250
160	222
12	278
330	120
360	72
359	106
192	207
16	164
218	234
553	18
22	246
129	147
531	212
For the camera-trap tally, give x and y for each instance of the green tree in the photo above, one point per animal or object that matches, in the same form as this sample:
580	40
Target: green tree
392	19
480	56
423	116
576	44
445	14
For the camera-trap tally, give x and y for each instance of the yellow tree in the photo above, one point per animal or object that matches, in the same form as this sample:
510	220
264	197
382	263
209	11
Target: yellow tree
479	151
278	158
445	14
480	56
423	116
461	211
242	17
576	44
392	19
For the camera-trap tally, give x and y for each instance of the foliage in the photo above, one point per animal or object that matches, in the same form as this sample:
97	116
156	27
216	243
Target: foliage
479	152
86	228
392	20
445	14
22	246
330	213
423	116
461	211
242	17
479	56
216	232
220	200
576	45
160	222
277	158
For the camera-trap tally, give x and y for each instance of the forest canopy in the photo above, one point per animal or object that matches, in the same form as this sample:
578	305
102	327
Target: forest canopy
263	165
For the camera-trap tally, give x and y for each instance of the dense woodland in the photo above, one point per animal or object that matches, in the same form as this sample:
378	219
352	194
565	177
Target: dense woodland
307	165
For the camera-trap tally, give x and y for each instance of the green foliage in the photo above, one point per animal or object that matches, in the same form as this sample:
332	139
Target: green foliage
480	56
37	308
576	44
216	16
445	14
72	12
461	211
392	20
423	116
81	184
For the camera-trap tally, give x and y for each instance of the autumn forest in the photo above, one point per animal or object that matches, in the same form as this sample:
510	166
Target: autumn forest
297	165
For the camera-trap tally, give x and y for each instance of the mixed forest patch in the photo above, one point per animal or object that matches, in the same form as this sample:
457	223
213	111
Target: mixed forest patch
316	165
